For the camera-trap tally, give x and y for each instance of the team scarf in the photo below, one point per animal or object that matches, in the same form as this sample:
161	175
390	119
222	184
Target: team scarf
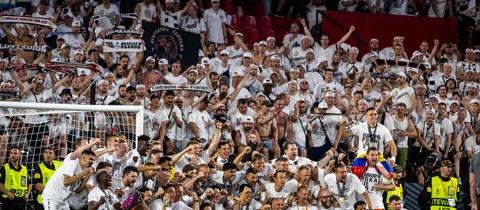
123	31
29	20
53	66
110	45
113	16
397	63
29	48
201	88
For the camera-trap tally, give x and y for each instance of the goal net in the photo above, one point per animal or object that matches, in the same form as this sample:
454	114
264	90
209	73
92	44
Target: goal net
35	126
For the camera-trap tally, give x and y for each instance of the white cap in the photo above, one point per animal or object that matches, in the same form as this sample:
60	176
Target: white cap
237	73
205	61
473	101
64	45
267	81
476	51
275	57
247	55
76	24
163	61
454	102
4	60
469	50
373	54
253	66
150	58
472	84
101	82
263	43
215	1
60	37
239	34
415	54
169	1
247	119
193	70
270	38
401	74
225	52
79	51
323	105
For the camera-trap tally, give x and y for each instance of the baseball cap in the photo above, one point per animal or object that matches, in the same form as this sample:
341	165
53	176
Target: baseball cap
294	69
472	84
476	51
79	51
454	102
60	37
205	61
163	61
64	45
413	69
239	34
401	74
373	40
267	81
373	54
263	43
150	58
323	105
469	50
247	119
473	101
416	53
237	73
247	55
76	24
275	57
193	70
225	52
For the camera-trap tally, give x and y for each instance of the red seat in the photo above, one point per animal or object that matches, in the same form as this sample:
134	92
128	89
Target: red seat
280	34
280	23
227	5
251	35
259	8
264	22
248	22
234	23
264	33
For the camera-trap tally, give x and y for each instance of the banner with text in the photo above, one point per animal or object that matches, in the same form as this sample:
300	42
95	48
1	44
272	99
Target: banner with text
110	45
171	44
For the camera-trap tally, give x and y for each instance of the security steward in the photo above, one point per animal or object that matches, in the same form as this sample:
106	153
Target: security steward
442	190
398	191
15	186
43	171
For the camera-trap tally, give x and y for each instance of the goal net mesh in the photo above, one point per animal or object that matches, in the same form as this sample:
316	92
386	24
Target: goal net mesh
32	130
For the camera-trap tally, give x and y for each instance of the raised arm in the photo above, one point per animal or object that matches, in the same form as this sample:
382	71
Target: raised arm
216	138
346	36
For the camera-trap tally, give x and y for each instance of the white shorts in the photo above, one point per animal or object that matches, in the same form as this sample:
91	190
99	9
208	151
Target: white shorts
49	204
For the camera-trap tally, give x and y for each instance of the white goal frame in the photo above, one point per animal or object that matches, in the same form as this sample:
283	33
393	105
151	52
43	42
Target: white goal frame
138	110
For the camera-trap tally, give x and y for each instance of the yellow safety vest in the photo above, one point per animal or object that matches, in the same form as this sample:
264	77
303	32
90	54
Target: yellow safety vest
16	182
398	192
46	174
444	194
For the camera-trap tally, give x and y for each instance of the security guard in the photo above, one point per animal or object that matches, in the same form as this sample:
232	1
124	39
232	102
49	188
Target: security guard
398	191
43	171
14	182
442	190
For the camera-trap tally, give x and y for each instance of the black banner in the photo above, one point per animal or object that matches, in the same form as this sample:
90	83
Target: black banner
171	44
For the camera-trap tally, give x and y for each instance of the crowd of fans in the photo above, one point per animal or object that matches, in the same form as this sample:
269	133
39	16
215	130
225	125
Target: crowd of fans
286	125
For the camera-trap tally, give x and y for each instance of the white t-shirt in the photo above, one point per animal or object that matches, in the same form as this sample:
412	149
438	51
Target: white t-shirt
153	121
171	129
370	178
471	144
403	96
147	12
378	137
345	193
322	128
55	189
193	25
234	55
202	120
215	21
428	133
298	56
97	193
402	142
287	189
446	127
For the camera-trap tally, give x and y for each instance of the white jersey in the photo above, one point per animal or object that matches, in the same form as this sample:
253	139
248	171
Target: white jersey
370	178
428	133
235	55
344	193
55	189
107	194
193	25
215	21
378	137
399	7
446	127
153	121
286	190
298	56
147	12
403	96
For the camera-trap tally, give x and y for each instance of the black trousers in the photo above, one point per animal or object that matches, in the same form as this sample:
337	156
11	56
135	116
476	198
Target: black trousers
15	204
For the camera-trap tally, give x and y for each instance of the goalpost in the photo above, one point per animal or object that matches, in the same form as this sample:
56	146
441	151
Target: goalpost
34	126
